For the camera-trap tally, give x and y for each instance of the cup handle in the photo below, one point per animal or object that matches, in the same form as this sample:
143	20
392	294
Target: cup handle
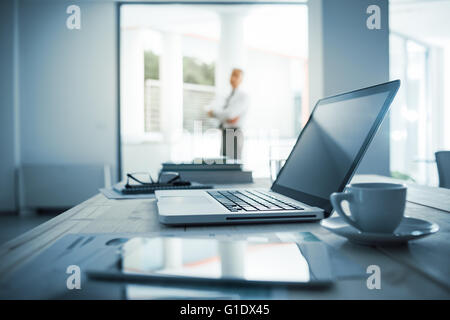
336	200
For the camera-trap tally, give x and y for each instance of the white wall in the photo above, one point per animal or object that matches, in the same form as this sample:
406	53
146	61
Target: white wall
345	55
144	157
7	158
68	83
68	88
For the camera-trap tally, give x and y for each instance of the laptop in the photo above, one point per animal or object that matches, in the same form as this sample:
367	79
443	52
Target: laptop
323	161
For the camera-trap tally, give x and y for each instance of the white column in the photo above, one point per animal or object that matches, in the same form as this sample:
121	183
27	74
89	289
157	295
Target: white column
232	258
171	77
173	253
132	86
231	49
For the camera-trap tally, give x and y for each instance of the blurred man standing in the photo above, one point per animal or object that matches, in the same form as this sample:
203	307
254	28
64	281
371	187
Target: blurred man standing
231	114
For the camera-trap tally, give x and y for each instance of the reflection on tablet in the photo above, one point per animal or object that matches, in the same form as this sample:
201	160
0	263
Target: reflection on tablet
214	259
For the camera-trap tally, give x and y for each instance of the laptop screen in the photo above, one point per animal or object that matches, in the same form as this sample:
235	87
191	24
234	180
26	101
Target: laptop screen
332	143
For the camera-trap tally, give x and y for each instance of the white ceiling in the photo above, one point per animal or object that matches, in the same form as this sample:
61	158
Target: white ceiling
276	28
425	20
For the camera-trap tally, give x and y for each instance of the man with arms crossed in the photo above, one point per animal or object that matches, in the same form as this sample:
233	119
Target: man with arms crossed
231	116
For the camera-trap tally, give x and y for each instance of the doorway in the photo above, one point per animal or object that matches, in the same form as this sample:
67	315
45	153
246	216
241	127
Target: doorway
175	59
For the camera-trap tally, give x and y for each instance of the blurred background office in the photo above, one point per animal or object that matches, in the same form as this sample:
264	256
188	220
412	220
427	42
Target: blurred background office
82	107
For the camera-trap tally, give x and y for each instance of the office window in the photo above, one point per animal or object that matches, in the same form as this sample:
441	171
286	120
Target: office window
198	90
415	118
151	91
195	98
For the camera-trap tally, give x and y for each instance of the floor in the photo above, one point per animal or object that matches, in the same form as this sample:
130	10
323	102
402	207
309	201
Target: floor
12	225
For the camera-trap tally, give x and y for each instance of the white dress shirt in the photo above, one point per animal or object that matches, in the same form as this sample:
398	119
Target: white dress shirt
237	106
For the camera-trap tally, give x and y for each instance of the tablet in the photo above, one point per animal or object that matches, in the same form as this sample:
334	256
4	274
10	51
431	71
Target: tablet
205	260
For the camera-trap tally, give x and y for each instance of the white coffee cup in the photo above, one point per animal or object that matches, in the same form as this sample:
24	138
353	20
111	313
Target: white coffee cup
374	207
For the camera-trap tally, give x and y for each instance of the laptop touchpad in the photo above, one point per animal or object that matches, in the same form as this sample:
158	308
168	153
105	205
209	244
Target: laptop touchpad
187	199
187	204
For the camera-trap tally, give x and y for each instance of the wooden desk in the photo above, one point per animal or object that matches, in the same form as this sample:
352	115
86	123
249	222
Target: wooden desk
408	272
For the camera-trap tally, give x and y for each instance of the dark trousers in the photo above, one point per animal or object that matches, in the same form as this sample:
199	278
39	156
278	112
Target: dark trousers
232	143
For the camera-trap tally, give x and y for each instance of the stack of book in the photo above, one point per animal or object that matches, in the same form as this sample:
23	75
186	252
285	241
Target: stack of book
215	171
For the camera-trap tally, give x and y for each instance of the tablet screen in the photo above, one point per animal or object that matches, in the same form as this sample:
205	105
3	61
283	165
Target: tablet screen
214	259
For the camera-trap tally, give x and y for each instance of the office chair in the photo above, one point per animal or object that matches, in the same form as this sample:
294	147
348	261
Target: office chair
443	165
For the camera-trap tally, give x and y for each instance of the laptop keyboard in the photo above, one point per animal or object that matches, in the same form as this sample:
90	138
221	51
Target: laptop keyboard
251	201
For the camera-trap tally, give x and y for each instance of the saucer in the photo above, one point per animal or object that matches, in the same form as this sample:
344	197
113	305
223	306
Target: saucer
409	229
